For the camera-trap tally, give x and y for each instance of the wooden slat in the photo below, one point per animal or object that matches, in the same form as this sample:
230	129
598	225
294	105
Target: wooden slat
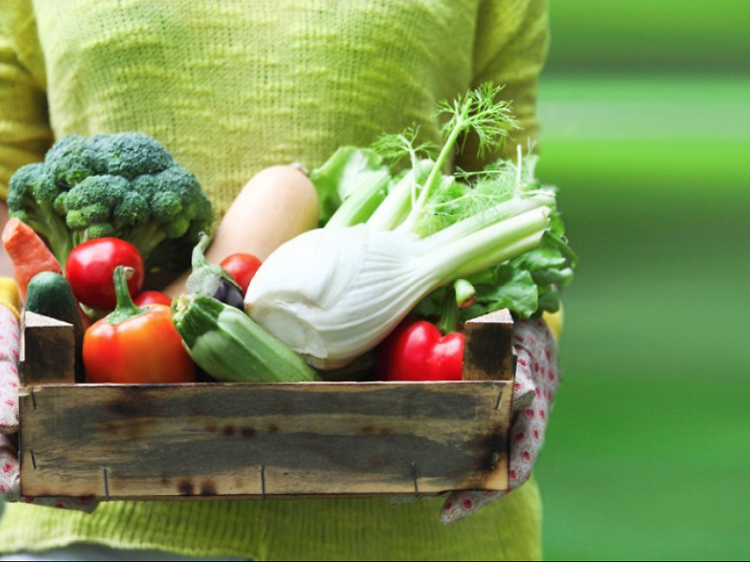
488	351
47	351
149	441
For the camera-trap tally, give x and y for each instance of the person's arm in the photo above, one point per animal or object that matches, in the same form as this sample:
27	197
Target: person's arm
25	133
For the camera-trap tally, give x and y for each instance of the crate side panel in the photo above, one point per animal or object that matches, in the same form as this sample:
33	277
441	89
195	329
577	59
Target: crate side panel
246	439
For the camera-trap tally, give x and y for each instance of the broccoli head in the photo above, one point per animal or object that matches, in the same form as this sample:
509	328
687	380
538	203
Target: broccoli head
125	185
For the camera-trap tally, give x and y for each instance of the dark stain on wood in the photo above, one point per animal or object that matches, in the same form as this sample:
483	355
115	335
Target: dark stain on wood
211	427
128	429
379	464
248	432
491	447
186	488
229	431
208	488
371	429
272	428
137	403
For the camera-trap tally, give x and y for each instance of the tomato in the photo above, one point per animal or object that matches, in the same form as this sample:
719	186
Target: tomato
133	345
90	266
152	297
242	268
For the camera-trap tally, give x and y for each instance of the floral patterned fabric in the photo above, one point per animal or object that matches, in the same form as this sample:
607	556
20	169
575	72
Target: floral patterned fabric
537	379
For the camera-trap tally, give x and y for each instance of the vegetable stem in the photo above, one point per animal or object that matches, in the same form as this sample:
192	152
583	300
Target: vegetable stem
398	203
488	217
448	321
126	308
435	177
361	204
484	248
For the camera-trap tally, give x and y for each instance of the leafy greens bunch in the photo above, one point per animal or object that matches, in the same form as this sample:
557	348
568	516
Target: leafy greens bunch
125	185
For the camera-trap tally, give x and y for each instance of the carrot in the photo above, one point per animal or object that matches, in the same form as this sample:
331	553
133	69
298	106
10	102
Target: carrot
28	252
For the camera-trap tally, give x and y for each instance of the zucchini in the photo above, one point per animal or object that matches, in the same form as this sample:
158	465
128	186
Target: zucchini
50	294
227	344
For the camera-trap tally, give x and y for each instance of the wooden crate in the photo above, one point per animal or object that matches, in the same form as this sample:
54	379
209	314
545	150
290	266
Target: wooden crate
235	440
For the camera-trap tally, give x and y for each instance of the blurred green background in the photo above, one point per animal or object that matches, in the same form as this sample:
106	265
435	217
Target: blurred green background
645	108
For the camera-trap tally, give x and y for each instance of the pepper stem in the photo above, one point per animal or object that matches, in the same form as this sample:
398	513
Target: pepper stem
125	308
448	321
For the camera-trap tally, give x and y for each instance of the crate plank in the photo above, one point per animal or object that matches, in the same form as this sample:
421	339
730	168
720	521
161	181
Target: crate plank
146	441
47	351
488	351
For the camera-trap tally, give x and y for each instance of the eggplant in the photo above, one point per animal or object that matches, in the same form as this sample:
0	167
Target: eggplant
230	294
211	280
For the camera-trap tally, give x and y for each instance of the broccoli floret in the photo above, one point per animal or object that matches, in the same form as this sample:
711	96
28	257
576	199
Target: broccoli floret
130	155
71	160
125	185
180	211
32	198
103	206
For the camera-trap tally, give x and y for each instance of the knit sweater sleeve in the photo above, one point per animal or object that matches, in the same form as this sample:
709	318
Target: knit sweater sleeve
510	49
25	132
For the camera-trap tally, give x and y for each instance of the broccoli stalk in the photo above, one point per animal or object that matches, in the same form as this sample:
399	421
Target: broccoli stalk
124	185
31	198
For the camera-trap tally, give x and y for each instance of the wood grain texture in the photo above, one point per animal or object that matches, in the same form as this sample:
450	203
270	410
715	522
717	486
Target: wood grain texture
233	440
488	352
47	351
305	438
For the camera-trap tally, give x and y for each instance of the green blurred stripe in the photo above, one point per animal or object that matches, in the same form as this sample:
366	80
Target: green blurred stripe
698	108
648	450
661	35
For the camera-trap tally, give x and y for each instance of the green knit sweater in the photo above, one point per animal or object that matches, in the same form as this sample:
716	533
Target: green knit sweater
231	87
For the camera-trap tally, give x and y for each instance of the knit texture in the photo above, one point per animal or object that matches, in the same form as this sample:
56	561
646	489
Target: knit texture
229	88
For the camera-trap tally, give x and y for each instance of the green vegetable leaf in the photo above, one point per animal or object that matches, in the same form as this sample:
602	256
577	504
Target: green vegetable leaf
507	287
351	171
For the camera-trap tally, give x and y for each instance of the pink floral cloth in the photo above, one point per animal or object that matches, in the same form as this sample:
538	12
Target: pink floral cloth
10	333
537	379
10	481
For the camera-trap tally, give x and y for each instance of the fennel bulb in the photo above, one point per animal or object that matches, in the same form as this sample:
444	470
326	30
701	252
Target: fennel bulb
332	294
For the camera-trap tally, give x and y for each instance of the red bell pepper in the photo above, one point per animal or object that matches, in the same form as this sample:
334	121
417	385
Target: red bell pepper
418	351
135	345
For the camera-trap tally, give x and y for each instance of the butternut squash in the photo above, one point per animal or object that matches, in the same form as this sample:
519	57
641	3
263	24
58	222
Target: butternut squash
276	205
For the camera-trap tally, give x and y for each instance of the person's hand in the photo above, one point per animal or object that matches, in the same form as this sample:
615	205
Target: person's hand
10	344
537	379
